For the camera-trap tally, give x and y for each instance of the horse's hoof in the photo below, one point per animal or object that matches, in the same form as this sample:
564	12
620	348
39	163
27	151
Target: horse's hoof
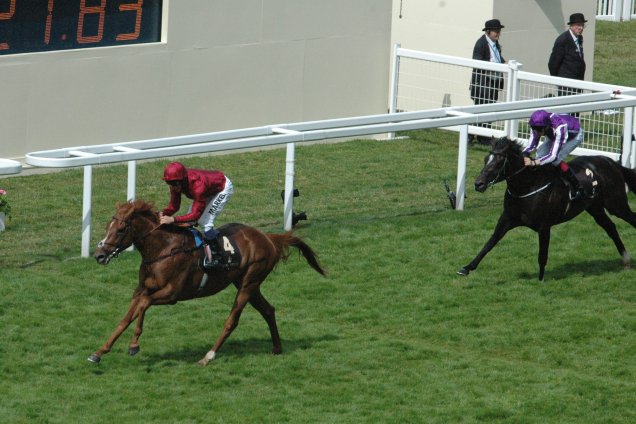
277	350
463	271
133	350
207	358
94	359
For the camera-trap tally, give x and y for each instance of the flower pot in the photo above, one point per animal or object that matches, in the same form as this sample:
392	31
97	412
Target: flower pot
3	218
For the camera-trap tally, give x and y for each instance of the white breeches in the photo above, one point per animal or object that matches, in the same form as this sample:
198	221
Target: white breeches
215	206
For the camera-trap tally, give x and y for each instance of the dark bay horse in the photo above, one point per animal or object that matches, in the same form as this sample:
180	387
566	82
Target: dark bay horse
537	198
170	271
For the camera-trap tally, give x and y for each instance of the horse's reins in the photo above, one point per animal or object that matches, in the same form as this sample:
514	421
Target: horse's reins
172	253
532	193
502	170
119	248
507	178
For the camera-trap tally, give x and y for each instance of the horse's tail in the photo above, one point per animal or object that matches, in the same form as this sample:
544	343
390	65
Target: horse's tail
630	178
282	243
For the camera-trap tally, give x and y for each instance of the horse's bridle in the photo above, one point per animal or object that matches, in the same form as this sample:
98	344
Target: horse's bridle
517	172
119	246
501	173
120	235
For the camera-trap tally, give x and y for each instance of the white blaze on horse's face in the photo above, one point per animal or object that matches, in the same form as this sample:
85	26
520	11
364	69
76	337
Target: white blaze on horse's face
102	242
491	158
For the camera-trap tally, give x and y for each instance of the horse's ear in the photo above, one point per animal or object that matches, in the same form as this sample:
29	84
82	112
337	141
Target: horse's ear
493	141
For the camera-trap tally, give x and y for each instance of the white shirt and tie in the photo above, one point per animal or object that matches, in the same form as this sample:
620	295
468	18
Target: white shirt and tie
494	52
579	49
577	43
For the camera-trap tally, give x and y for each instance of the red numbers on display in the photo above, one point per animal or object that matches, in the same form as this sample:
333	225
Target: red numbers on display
4	16
49	21
127	8
95	12
84	10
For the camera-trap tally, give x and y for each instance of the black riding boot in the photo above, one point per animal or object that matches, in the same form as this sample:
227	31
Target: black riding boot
576	191
217	256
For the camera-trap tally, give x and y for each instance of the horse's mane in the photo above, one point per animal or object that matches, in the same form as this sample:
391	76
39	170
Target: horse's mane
513	147
505	143
140	207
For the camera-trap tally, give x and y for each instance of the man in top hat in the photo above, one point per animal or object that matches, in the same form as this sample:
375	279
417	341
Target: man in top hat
485	85
567	59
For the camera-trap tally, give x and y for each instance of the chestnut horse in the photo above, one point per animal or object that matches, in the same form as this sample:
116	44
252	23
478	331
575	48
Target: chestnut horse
538	198
170	270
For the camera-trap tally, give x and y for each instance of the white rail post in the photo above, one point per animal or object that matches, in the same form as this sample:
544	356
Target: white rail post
461	167
86	213
628	129
633	141
395	70
132	178
512	126
288	206
626	12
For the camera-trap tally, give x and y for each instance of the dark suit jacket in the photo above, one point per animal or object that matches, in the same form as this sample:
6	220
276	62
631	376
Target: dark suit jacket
565	60
481	78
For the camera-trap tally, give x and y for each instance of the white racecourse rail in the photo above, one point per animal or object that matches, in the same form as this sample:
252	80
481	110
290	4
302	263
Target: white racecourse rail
289	134
423	80
616	10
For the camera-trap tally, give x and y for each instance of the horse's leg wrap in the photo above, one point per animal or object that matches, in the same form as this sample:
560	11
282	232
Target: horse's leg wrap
207	358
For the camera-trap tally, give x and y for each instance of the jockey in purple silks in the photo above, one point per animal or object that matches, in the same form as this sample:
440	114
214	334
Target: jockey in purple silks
562	134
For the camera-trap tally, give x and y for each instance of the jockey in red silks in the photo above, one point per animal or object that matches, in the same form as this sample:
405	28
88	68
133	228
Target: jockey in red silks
563	133
210	191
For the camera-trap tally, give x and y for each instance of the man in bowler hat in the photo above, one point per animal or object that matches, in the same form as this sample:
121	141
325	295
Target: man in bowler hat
567	59
485	85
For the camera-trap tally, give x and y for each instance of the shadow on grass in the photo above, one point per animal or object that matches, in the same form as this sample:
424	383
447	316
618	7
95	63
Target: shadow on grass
36	259
236	348
587	268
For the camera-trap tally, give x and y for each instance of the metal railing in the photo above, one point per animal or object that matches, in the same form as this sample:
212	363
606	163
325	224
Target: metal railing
422	80
616	10
289	134
8	166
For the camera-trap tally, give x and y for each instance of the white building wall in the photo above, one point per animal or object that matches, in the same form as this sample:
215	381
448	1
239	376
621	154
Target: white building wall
452	26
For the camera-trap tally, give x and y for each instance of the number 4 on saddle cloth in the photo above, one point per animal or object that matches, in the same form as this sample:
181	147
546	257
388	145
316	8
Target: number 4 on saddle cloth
220	254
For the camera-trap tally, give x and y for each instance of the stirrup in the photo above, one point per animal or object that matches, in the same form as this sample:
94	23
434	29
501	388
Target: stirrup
213	260
213	263
577	194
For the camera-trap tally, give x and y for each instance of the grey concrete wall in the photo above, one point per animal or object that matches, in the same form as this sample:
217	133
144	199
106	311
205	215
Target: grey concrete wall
223	64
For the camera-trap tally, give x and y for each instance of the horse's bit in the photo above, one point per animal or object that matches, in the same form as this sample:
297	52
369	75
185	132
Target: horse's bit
501	174
520	170
120	234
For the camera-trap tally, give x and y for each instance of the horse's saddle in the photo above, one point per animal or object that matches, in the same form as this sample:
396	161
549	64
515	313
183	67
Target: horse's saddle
231	252
587	180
